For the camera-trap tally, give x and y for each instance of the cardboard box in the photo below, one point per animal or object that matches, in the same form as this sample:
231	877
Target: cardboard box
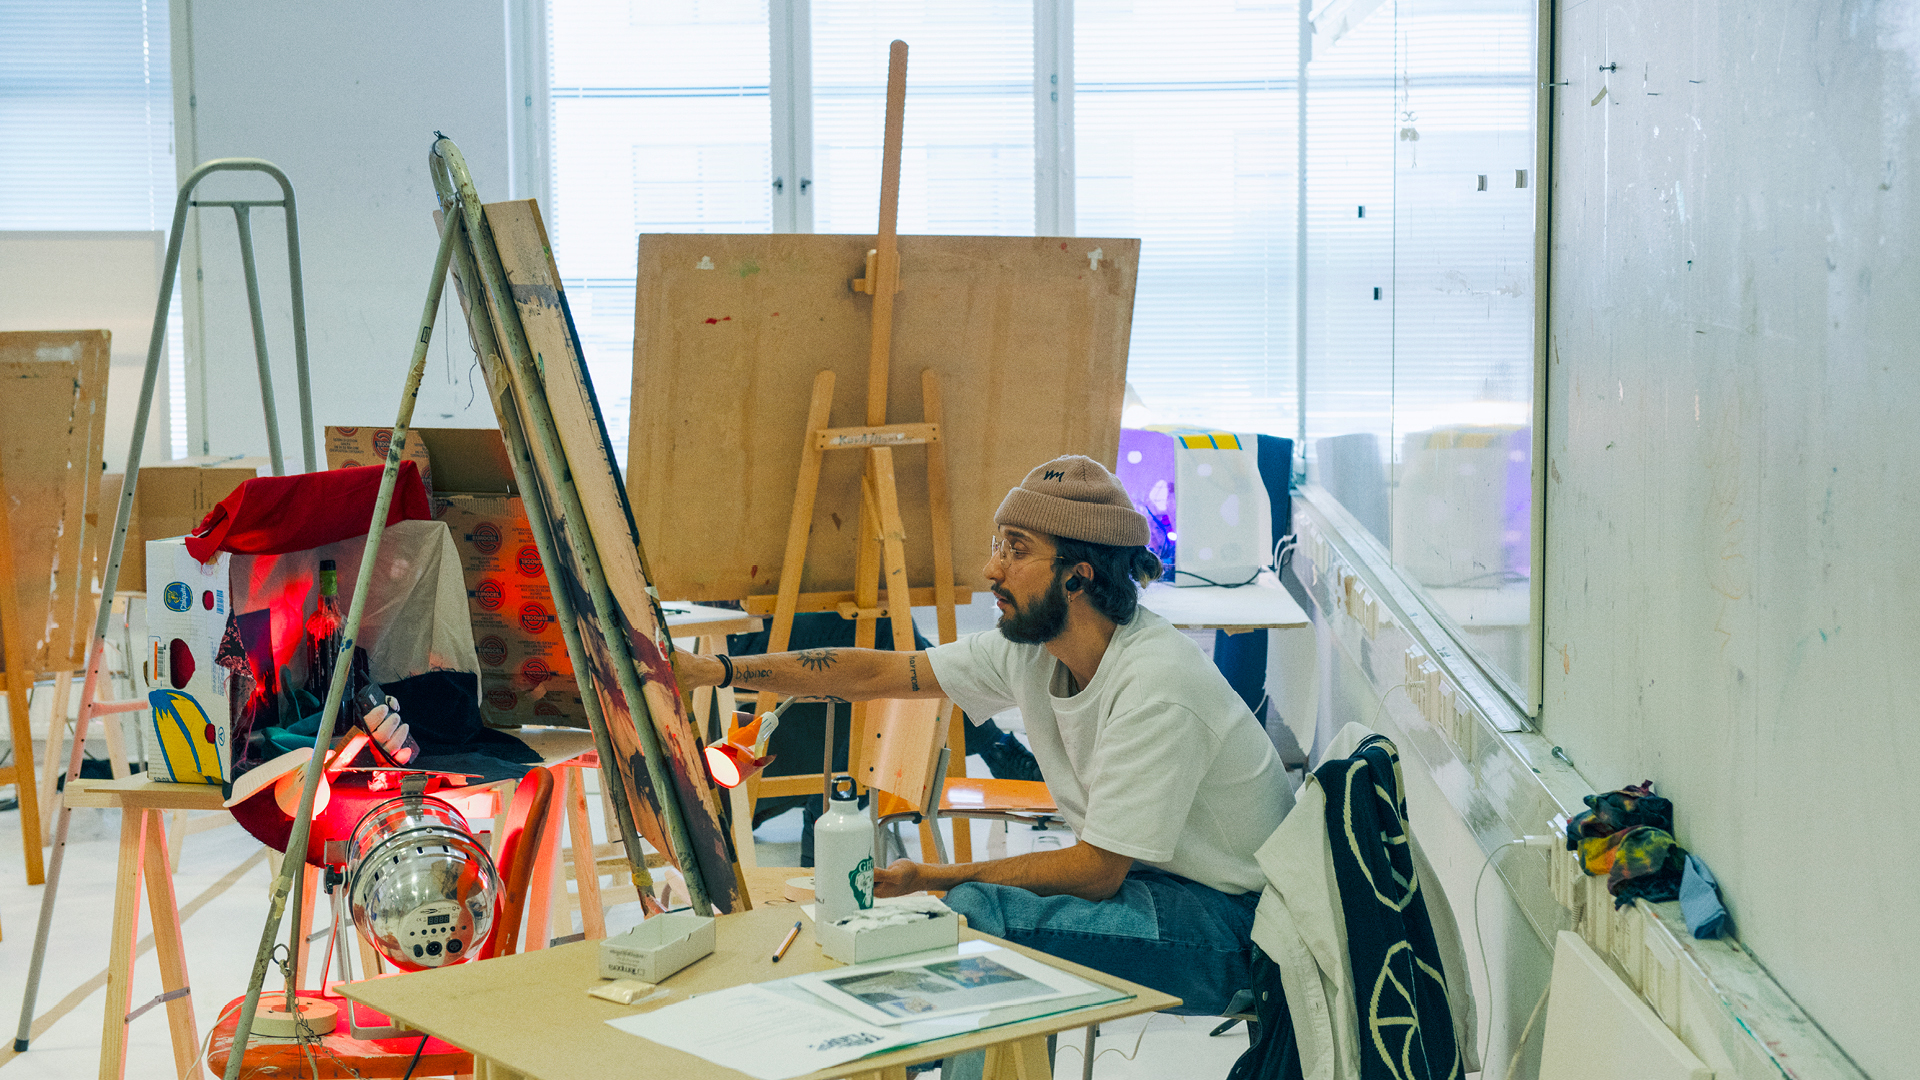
656	948
191	722
470	461
352	447
505	701
526	676
892	927
172	498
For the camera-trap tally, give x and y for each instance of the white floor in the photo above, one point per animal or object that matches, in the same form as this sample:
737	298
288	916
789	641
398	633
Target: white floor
221	886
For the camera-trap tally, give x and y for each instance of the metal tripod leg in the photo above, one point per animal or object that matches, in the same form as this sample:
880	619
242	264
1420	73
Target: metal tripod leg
110	580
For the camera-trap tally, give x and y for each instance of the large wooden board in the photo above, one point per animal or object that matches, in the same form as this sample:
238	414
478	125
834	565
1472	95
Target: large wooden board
1028	336
521	239
52	388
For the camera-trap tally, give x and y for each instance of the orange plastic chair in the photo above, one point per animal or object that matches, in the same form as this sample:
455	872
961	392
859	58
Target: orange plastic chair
340	1055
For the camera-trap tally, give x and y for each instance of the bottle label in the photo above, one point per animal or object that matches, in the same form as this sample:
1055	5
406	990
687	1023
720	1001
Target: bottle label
860	880
329	583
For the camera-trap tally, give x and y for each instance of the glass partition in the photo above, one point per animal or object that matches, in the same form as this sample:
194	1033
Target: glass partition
1421	196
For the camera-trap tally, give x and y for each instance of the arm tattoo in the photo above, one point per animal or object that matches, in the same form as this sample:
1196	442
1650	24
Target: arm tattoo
913	672
828	698
741	674
819	659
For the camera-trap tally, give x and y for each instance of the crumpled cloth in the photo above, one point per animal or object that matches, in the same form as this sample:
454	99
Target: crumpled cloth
1627	835
1612	811
1639	863
274	515
1700	902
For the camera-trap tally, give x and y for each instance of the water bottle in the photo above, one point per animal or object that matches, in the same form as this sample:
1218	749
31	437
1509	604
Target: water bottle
842	856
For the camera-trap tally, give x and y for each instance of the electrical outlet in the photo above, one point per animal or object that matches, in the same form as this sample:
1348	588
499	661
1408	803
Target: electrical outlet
1465	726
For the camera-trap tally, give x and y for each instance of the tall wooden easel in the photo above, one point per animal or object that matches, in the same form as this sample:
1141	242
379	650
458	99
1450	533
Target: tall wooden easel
881	538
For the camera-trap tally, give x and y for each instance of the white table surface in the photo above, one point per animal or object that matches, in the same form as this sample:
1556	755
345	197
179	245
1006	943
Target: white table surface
688	619
1262	605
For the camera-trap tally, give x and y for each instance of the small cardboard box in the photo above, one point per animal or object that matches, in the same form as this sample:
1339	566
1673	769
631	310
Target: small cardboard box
892	927
656	948
172	498
192	718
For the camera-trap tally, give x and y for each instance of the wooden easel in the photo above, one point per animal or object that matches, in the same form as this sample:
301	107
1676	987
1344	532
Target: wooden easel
881	538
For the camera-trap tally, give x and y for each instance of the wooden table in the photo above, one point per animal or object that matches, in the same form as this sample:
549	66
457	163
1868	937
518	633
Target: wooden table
1263	605
143	804
529	1016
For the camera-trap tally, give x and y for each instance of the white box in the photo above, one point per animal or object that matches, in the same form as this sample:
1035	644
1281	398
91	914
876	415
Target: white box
656	948
892	927
190	726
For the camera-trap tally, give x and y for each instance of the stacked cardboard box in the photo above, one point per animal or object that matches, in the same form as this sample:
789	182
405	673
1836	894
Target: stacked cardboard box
526	676
173	497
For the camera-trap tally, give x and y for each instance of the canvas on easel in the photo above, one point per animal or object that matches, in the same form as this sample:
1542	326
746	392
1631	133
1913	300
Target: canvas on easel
1027	336
52	386
592	474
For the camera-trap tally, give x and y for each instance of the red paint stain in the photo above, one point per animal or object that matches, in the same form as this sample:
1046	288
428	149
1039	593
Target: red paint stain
726	318
711	322
1063	247
755	572
776	314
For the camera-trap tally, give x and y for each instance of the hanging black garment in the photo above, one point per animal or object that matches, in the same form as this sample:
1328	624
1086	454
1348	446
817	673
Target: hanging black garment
1399	982
1272	1054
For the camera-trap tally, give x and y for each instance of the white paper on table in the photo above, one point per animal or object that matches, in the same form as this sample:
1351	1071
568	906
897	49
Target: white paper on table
760	1033
931	986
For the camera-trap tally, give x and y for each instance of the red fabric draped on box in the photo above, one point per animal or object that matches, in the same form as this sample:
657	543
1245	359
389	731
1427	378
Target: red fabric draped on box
273	515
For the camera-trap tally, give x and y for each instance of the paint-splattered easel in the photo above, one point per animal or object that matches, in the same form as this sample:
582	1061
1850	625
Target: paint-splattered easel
881	538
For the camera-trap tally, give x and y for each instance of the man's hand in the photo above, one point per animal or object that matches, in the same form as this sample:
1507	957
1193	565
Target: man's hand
903	877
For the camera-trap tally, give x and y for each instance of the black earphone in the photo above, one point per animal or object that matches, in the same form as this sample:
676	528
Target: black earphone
1075	582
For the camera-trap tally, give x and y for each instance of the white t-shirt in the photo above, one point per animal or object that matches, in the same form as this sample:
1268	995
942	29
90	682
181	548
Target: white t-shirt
1157	758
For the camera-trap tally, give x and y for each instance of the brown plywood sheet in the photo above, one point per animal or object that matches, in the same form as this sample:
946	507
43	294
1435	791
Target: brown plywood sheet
52	388
1028	335
521	240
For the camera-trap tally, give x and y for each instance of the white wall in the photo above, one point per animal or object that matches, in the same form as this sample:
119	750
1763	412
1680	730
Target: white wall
1731	503
95	279
345	98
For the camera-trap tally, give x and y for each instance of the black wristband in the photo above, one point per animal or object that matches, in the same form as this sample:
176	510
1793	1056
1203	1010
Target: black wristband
728	664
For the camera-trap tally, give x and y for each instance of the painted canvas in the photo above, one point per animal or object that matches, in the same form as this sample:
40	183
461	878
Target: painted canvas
521	239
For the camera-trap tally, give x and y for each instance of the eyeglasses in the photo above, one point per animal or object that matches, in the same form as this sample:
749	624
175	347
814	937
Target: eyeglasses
1004	549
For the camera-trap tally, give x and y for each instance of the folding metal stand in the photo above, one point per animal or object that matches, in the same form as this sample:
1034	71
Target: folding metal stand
90	707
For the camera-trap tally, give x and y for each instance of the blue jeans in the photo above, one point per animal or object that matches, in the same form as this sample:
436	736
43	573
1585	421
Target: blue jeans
1160	930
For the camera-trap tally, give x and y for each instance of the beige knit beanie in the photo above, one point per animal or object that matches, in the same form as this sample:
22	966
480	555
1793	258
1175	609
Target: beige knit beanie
1075	497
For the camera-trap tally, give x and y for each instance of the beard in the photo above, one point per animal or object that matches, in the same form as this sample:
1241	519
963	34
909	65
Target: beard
1040	622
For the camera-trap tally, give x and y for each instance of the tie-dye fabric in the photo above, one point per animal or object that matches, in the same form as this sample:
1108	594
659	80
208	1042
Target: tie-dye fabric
1627	836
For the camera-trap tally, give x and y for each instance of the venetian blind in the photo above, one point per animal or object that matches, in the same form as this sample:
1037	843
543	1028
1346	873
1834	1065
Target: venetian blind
1185	119
660	123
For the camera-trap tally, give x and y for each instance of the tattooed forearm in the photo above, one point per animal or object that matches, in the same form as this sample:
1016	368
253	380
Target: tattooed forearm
828	674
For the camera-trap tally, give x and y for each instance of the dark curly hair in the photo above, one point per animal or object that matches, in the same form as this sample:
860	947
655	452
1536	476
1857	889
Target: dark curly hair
1118	573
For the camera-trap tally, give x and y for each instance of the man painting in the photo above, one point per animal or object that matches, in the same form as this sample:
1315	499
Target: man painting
1168	781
